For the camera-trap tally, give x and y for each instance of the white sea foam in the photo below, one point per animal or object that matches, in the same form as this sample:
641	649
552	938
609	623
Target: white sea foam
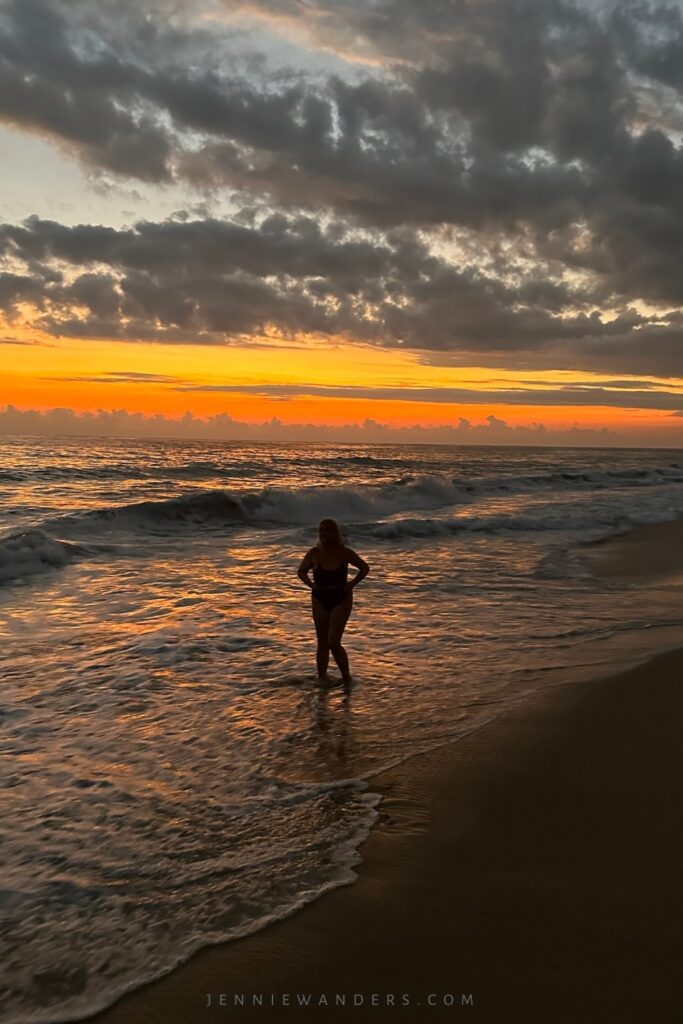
412	506
363	502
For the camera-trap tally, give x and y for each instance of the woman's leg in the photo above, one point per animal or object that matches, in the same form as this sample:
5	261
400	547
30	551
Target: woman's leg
339	616
321	618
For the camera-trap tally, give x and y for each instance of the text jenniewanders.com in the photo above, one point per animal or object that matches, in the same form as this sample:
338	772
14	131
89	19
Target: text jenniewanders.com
237	1000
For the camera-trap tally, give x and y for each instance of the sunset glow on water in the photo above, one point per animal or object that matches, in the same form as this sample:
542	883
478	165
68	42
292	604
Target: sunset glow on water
175	772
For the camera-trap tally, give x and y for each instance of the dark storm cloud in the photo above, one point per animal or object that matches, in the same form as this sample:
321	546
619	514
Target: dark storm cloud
514	122
446	139
193	280
655	351
48	83
651	34
209	281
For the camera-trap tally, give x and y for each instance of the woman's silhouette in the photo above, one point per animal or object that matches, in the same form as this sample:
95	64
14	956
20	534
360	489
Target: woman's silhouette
332	593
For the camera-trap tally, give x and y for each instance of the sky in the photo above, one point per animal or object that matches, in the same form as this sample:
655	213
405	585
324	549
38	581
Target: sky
363	220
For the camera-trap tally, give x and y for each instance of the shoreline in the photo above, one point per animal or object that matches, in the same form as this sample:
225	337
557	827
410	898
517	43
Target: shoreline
653	551
532	865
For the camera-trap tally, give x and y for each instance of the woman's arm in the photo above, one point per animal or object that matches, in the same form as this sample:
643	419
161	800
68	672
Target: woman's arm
305	567
360	564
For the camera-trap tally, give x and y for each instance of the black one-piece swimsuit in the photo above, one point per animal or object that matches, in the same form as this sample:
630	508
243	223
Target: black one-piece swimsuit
330	585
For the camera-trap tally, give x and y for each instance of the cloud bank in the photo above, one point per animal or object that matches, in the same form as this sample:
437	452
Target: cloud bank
222	427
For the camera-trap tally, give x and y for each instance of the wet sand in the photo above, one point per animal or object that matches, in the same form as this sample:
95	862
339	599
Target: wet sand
648	551
534	866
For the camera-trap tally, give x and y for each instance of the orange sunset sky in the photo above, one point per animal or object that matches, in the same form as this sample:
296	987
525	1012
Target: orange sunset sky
361	235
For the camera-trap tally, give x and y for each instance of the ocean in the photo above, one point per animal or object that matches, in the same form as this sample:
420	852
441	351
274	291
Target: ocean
173	775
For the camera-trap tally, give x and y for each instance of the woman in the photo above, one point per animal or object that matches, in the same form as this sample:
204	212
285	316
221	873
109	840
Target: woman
332	593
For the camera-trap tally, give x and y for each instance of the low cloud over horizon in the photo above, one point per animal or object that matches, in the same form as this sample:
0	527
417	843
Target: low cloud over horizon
119	423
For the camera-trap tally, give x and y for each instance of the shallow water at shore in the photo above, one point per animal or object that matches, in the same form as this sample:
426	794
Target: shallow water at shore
160	717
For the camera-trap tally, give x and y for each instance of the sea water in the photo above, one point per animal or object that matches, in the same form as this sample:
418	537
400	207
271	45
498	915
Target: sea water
173	777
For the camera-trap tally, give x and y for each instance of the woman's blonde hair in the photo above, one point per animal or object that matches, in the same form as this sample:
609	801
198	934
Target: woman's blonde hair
333	526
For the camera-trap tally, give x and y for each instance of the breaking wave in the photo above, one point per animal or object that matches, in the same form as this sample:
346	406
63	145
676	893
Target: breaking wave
411	506
34	551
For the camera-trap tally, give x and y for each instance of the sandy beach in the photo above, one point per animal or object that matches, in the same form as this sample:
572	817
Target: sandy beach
530	872
649	551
